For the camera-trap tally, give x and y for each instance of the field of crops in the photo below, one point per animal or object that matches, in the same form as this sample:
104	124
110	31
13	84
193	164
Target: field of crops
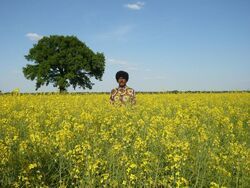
165	140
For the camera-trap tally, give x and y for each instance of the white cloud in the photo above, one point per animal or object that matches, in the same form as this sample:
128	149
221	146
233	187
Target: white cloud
17	71
121	64
148	70
132	68
117	62
34	36
122	30
118	33
135	6
155	78
129	66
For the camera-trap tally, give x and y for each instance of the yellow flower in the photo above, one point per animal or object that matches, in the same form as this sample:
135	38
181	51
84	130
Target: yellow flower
32	166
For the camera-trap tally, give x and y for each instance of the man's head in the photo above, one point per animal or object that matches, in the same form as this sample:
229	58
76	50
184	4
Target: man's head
122	78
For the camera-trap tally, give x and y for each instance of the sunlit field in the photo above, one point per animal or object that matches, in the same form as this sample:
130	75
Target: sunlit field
165	140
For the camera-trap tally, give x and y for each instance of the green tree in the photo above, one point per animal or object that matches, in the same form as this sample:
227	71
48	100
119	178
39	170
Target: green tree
63	61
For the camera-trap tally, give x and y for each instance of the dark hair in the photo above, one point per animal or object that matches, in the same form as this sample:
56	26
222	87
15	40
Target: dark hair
122	74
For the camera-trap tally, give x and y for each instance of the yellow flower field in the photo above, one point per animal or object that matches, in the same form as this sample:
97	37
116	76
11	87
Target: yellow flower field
165	140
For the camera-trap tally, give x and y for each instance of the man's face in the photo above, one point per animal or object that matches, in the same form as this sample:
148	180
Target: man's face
122	82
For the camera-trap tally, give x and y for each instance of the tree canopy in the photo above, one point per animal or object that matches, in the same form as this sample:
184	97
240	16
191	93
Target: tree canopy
63	61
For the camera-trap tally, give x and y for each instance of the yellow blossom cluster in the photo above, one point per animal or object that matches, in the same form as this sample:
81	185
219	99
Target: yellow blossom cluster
165	140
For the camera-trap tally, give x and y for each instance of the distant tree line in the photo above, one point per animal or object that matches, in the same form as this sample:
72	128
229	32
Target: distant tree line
138	92
197	91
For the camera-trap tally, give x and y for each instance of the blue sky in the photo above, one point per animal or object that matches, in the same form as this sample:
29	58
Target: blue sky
162	44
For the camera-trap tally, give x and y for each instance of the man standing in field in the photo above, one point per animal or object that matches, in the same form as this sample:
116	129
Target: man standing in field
123	94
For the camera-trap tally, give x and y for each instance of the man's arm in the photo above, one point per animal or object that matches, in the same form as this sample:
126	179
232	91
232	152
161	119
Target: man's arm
112	94
133	98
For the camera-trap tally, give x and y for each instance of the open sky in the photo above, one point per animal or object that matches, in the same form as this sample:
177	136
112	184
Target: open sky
162	44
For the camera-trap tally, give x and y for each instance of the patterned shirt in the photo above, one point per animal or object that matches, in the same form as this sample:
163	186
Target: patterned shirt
122	95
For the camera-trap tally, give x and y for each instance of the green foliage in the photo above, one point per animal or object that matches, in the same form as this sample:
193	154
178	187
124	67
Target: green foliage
16	91
63	61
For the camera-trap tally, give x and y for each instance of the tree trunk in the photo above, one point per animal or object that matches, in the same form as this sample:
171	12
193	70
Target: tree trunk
62	89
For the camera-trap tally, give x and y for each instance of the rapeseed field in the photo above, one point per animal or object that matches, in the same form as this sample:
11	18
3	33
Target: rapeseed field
165	140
